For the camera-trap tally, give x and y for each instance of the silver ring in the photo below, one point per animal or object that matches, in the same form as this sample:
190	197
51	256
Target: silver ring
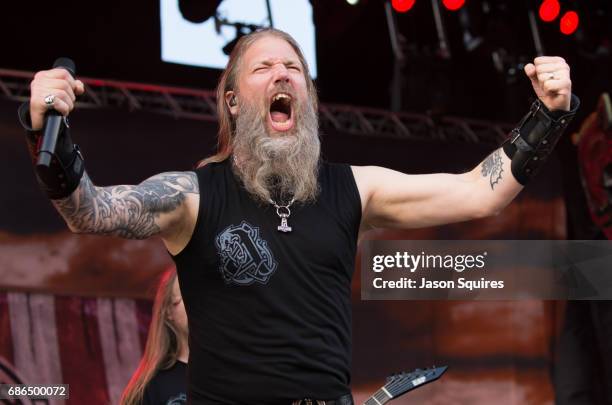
49	100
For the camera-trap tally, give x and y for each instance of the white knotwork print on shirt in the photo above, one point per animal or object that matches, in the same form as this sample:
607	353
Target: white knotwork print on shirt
245	256
181	399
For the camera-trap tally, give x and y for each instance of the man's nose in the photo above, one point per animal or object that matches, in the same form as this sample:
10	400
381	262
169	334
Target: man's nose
281	73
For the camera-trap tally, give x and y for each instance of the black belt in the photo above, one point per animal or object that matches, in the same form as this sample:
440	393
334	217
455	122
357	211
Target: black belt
343	400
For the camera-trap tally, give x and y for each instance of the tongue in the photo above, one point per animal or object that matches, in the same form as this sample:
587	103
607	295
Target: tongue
278	116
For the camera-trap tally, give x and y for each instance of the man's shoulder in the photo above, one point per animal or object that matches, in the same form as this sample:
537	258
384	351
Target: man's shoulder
327	166
170	182
334	169
212	165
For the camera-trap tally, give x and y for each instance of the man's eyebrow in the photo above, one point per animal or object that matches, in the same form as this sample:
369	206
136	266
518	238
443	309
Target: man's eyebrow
270	62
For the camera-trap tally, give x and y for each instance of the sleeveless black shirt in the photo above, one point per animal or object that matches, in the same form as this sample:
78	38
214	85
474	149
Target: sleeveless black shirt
269	312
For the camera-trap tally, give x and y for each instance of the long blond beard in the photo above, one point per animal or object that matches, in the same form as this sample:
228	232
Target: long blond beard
278	167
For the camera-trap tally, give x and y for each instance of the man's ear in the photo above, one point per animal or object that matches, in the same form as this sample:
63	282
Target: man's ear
232	102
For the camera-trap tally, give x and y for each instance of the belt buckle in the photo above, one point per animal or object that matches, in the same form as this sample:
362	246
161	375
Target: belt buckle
309	401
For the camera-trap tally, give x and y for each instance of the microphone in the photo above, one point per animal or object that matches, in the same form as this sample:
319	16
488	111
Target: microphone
53	122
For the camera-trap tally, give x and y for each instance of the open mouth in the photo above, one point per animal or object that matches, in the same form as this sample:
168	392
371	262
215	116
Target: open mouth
281	118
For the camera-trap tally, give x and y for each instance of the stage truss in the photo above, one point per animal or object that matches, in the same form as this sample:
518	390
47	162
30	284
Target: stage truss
184	103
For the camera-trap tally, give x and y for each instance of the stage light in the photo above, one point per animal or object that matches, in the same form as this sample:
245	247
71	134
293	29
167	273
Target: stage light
402	6
569	22
549	10
241	30
352	2
198	11
453	5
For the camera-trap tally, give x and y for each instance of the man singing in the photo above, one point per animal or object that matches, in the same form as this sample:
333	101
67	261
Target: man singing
264	233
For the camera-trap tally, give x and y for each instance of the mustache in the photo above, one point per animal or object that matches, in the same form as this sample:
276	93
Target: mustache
282	87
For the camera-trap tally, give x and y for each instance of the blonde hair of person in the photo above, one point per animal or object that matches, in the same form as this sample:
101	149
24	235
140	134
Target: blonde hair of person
162	347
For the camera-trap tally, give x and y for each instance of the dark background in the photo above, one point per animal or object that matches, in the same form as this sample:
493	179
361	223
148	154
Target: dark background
121	40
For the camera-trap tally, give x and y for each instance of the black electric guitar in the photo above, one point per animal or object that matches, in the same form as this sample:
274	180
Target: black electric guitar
399	384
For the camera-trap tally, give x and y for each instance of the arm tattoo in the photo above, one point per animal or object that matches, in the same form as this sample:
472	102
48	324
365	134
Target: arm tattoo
126	211
492	167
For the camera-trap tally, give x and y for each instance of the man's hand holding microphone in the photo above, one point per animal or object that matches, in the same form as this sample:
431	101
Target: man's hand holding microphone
52	89
59	164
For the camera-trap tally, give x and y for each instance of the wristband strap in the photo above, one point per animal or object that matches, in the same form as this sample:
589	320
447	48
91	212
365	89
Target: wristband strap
534	138
64	174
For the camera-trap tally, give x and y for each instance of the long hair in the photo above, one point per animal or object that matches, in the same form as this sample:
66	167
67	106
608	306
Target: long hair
162	347
229	80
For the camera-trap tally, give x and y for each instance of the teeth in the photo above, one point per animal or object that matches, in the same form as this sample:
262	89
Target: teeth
281	95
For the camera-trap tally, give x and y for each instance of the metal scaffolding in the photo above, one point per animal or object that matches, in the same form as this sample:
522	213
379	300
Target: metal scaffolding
201	105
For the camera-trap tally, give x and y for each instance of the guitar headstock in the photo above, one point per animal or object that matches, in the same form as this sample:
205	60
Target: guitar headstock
398	384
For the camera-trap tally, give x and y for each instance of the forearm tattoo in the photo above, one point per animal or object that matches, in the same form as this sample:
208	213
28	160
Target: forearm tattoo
126	211
492	167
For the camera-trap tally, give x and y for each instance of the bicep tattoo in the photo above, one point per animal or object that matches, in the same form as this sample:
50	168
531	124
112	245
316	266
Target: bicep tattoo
126	211
493	167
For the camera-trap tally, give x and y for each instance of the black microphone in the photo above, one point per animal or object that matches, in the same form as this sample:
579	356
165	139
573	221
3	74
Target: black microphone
53	123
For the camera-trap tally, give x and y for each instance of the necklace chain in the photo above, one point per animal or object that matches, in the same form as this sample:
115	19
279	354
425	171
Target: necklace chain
283	213
277	206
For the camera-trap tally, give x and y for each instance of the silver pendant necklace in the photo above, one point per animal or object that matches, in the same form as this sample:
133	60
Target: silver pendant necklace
283	213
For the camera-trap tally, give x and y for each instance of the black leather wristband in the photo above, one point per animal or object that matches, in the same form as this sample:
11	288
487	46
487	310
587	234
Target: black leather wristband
534	138
67	166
